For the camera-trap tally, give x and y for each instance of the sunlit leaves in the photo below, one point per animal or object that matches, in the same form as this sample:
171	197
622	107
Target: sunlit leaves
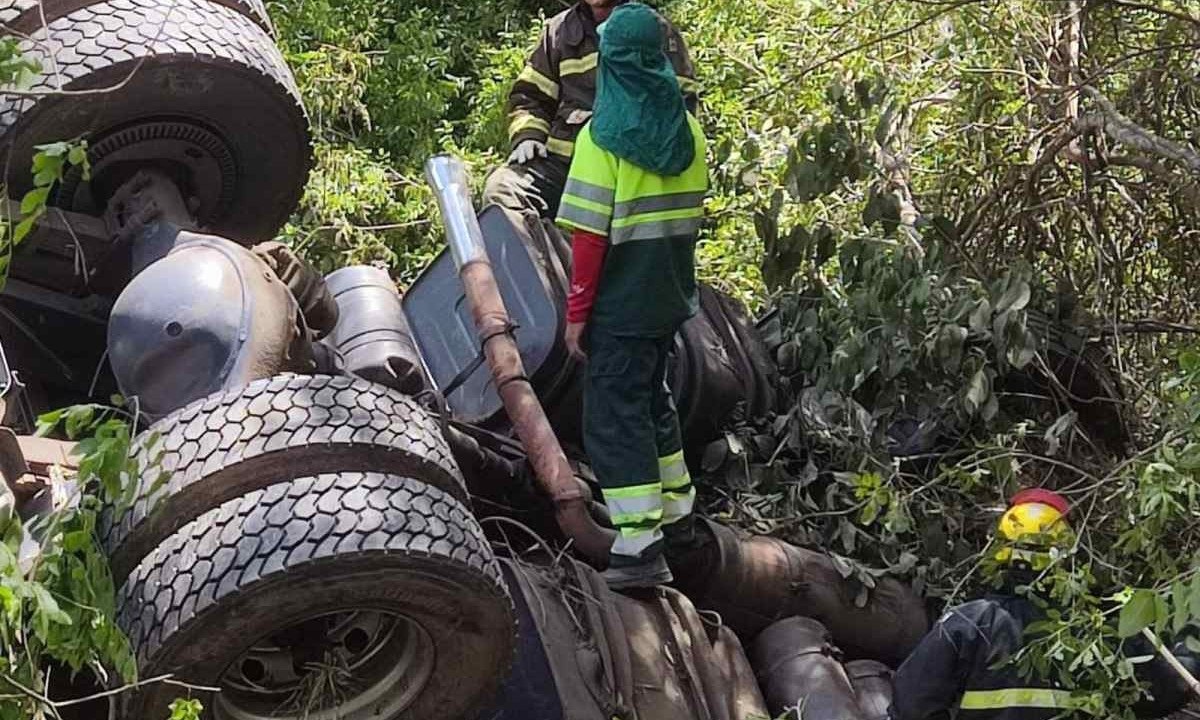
185	709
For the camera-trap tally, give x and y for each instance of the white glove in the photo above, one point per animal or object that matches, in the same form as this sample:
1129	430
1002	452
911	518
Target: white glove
527	150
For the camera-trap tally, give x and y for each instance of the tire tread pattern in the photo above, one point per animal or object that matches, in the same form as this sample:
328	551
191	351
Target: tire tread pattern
271	532
282	414
105	34
13	12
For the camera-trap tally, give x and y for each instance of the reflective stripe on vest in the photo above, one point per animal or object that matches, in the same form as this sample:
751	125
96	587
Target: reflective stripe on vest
583	214
1016	697
587	191
625	202
657	228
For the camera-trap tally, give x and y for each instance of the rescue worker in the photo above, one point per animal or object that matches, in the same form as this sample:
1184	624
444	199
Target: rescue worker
959	669
552	99
634	203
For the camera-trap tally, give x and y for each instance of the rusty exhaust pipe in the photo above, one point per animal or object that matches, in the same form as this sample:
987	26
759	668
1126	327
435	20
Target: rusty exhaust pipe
447	176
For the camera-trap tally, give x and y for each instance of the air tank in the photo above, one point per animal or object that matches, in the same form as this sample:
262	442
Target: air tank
872	683
372	334
798	667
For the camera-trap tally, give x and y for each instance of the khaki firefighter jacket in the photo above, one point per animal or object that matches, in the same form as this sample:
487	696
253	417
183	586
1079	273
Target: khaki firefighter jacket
552	98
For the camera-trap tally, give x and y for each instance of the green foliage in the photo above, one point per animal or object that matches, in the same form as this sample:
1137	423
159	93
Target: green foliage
49	163
387	86
58	603
186	710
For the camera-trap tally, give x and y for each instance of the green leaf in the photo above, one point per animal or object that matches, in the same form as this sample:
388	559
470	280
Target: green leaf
182	709
47	422
25	227
55	149
79	419
1021	352
1179	603
1138	613
34	200
977	391
48	606
1194	598
1189	361
78	154
1015	298
981	317
951	341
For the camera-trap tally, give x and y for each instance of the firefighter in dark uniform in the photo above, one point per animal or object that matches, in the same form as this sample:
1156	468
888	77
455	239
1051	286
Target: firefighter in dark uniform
552	100
961	669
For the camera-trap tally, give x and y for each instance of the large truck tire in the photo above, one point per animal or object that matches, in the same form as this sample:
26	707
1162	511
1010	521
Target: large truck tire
26	17
383	583
192	88
224	446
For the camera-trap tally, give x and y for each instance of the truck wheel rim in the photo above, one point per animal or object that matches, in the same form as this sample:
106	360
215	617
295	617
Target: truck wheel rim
345	666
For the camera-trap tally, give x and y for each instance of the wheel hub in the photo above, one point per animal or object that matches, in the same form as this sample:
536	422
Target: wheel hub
345	666
198	160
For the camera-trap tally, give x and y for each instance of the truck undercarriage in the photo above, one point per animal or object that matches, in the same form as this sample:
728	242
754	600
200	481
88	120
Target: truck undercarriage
351	503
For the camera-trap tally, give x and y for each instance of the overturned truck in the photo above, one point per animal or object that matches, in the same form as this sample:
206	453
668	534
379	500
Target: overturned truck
355	504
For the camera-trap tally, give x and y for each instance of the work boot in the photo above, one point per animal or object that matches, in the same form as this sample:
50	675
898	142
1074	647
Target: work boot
642	575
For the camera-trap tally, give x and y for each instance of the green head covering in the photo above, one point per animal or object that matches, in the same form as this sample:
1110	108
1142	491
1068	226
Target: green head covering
639	113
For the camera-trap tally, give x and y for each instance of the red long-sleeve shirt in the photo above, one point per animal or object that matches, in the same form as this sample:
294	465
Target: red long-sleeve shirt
587	260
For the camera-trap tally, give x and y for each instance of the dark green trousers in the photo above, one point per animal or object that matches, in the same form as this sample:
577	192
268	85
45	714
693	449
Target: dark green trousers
631	434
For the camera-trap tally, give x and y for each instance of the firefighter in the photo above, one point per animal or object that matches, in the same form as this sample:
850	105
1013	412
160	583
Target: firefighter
552	99
961	669
634	203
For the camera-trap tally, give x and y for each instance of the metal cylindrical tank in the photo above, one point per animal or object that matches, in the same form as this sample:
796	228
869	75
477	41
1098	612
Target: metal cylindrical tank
372	333
798	666
872	683
744	696
752	581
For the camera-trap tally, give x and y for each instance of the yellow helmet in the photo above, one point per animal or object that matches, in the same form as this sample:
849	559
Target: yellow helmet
1035	522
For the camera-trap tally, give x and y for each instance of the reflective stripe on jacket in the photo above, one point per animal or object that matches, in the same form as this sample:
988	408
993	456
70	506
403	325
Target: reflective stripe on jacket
961	668
648	284
552	97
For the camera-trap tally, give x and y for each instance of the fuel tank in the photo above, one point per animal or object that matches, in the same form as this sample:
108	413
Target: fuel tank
719	365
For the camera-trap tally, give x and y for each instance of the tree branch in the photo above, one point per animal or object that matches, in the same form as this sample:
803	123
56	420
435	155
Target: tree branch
1125	131
943	9
1190	189
1160	10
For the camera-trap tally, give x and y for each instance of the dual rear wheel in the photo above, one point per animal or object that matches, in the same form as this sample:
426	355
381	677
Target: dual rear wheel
303	544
